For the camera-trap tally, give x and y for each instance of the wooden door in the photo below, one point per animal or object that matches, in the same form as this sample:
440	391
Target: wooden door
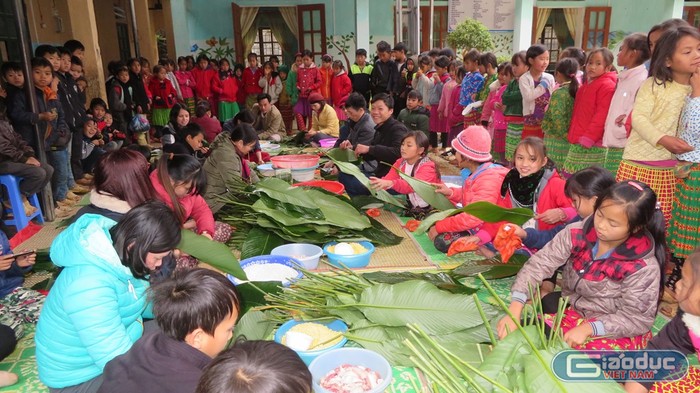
596	27
439	28
312	29
238	39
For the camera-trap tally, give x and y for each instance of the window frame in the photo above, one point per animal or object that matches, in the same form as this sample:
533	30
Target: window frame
260	41
587	22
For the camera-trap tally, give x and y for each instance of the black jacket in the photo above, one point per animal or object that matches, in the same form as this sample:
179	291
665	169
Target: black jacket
386	145
385	77
155	363
138	91
70	99
23	120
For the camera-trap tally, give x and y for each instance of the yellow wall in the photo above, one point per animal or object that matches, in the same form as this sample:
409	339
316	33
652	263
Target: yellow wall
42	22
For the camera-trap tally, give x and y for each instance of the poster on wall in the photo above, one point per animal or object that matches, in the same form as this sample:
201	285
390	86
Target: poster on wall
494	14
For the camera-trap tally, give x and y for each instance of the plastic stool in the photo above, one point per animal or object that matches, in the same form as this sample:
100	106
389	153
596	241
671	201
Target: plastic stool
19	219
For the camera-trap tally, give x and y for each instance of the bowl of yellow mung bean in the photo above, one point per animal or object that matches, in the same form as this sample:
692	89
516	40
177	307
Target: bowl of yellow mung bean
325	336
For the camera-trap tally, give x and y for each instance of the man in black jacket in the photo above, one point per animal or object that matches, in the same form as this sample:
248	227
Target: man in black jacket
385	148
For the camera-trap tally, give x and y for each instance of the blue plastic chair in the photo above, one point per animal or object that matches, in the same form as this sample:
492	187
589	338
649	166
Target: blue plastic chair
19	219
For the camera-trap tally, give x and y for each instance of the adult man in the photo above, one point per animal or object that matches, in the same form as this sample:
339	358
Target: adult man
385	148
268	119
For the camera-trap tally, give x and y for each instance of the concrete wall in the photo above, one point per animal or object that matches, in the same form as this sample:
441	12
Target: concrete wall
42	22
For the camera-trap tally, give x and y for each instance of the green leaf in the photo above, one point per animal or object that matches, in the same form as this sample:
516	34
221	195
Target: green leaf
296	197
427	192
353	170
253	294
489	271
379	234
213	253
343	155
254	326
291	209
364	202
437	311
339	212
440	280
259	242
485	211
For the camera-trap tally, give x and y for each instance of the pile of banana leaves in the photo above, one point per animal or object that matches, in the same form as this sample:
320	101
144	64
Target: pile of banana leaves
271	213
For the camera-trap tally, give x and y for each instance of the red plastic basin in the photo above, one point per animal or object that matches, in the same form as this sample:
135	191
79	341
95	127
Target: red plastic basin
328	185
295	161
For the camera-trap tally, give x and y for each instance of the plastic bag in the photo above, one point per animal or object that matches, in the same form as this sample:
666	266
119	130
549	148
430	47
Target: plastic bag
507	242
139	123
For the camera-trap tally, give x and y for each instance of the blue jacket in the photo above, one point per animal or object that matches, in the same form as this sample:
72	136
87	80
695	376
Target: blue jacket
94	310
536	239
14	276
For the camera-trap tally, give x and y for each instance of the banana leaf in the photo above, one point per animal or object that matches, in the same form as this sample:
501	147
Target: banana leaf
364	202
440	280
339	212
419	302
213	253
353	170
290	209
379	234
296	201
486	211
426	191
259	242
343	155
253	294
254	326
490	271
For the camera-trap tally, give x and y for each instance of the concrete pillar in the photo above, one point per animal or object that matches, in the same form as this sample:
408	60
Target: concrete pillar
146	32
179	36
522	29
84	29
677	8
361	26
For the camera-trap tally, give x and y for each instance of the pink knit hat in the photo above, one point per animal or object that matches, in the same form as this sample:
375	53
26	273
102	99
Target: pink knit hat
474	143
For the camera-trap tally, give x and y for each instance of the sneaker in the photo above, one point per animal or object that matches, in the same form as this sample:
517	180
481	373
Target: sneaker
73	196
78	189
61	212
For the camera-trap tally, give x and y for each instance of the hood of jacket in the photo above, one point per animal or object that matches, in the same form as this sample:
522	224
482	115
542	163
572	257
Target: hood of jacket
608	76
421	110
632	72
88	242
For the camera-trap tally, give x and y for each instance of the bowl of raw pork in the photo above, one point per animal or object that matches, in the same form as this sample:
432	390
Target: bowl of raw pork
269	268
350	370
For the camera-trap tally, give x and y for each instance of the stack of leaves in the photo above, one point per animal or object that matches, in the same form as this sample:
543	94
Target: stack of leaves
378	307
521	362
271	213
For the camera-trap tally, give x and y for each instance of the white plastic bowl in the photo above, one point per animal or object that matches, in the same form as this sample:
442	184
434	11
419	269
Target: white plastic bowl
306	174
307	254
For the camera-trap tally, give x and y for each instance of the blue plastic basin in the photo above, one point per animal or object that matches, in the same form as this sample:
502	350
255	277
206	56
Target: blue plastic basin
309	356
328	361
351	261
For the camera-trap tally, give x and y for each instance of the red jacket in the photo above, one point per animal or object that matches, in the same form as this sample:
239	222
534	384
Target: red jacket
163	93
455	109
326	81
194	206
186	82
482	185
550	197
227	89
210	126
251	79
591	110
341	87
308	80
204	79
424	169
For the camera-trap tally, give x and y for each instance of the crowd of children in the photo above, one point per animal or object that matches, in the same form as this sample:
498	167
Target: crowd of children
605	158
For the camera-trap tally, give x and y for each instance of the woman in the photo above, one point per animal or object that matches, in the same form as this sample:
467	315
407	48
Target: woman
95	309
226	164
324	120
179	118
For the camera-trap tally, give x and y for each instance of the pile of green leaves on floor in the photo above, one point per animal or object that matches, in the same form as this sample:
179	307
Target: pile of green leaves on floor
271	213
377	308
521	362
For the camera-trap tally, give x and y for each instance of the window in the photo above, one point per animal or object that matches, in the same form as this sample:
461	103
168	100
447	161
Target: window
312	29
692	15
439	27
266	45
550	41
123	41
9	40
596	27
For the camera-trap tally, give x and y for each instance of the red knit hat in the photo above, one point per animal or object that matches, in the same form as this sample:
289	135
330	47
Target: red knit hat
474	143
315	97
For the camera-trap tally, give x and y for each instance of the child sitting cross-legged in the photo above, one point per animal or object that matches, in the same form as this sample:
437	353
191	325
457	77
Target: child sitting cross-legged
196	311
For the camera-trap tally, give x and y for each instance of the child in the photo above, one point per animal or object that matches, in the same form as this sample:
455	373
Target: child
210	125
76	72
492	113
415	116
512	100
238	74
170	69
119	98
139	94
445	105
196	311
385	73
187	84
91	147
536	87
472	151
326	73
649	154
634	52
590	111
421	81
455	118
612	272
291	85
471	85
145	77
308	81
409	71
488	67
341	87
577	54
115	138
361	74
557	119
271	83
164	96
204	78
227	87
438	123
681	334
251	80
189	141
284	103
414	162
256	367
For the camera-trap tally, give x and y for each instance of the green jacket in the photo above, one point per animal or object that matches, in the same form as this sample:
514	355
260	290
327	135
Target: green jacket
513	99
222	167
415	120
291	87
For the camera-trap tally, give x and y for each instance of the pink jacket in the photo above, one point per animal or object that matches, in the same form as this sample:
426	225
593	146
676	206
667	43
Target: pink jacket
628	82
194	206
446	97
187	83
482	185
454	109
489	112
425	170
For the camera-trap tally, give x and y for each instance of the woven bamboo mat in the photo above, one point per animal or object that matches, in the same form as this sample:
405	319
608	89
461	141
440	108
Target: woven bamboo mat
401	257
